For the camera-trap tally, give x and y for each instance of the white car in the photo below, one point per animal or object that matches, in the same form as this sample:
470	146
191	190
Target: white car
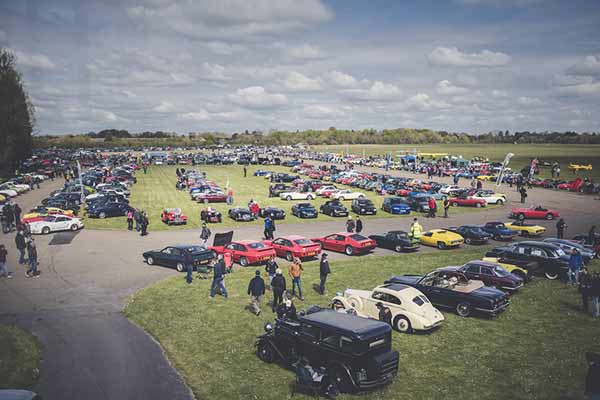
347	194
9	192
19	187
451	189
324	188
411	310
105	192
297	196
491	198
55	223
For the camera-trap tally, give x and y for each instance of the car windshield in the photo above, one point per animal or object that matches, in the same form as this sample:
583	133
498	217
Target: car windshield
500	271
256	245
302	242
477	230
401	235
194	249
357	237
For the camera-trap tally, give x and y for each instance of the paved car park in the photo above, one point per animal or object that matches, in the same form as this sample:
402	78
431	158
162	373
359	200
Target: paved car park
93	352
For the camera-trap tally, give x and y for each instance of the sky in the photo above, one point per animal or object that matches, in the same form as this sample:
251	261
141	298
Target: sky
233	65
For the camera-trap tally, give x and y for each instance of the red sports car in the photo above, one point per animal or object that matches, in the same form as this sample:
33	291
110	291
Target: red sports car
212	197
467	201
534	212
328	193
246	252
294	246
173	216
347	242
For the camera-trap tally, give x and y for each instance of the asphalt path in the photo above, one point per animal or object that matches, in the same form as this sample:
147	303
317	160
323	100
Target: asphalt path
92	351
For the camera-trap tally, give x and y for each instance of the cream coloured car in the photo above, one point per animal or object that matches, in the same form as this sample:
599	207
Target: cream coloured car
297	196
347	194
411	310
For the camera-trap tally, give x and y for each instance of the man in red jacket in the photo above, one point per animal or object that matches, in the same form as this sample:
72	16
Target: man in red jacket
432	207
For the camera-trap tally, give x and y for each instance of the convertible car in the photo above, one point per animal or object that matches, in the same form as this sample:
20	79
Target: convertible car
452	289
491	274
246	252
469	201
240	214
441	238
525	229
395	240
294	246
534	212
297	196
173	216
347	194
174	256
55	223
346	242
211	196
411	310
334	208
210	215
490	198
273	212
42	211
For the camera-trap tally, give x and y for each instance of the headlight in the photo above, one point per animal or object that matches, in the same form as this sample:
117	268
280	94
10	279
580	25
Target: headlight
268	327
361	375
362	210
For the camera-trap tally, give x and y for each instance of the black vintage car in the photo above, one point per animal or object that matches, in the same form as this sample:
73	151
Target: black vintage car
550	259
240	214
273	212
62	196
334	208
364	207
356	352
473	234
210	216
395	240
452	289
174	256
277	188
304	210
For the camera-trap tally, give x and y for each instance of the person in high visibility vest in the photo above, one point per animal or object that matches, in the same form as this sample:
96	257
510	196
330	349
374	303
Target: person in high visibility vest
416	230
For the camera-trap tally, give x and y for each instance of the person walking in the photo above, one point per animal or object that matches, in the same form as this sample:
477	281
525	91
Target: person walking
456	178
271	268
17	211
592	236
523	193
145	168
359	224
585	286
256	289
446	205
245	171
4	272
295	270
32	259
130	220
432	206
205	234
137	218
218	278
144	223
267	228
324	271
278	287
595	295
254	209
350	224
10	216
229	196
21	245
560	228
189	266
416	230
575	264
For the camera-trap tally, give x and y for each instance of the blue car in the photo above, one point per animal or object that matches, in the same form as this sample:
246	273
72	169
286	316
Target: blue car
261	172
109	210
499	231
395	205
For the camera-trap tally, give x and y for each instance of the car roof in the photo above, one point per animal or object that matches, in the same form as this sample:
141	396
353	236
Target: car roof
292	237
350	325
397	231
481	262
246	241
396	287
539	244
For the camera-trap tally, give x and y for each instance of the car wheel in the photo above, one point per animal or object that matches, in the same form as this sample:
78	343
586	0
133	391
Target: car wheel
551	275
102	215
402	324
289	256
337	305
349	250
398	249
455	204
243	261
74	227
342	199
46	230
309	197
361	197
478	205
150	261
499	202
441	245
179	267
521	217
288	198
265	352
549	216
463	309
468	240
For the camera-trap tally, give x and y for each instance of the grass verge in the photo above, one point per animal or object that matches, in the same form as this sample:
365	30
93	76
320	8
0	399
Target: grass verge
20	355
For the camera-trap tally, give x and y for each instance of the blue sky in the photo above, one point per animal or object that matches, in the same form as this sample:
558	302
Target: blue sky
231	65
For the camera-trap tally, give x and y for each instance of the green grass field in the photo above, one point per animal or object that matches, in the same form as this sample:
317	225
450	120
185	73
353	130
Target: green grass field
534	350
156	190
20	355
563	154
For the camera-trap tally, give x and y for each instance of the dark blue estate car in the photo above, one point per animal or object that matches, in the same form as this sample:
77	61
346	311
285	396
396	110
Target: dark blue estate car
499	231
109	210
395	205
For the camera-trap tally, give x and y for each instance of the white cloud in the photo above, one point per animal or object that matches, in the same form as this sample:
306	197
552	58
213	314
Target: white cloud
588	66
298	82
200	115
446	88
33	60
377	91
499	93
164	107
305	52
341	79
529	101
104	115
322	111
422	102
257	97
451	56
583	89
224	48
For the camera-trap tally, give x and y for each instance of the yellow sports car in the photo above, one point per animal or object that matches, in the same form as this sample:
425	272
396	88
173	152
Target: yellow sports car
525	229
486	177
513	269
441	238
577	167
45	211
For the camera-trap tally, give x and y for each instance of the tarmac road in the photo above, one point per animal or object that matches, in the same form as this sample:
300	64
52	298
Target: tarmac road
91	351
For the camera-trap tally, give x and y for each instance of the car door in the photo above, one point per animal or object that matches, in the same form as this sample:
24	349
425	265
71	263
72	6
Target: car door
278	246
473	271
389	240
61	224
427	238
487	276
165	257
340	242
